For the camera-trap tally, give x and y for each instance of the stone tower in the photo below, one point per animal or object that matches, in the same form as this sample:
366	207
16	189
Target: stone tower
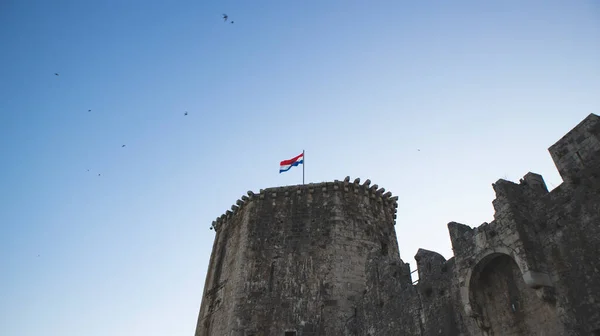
292	260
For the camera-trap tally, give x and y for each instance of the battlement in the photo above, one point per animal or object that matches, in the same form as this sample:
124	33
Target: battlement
530	188
373	192
576	156
534	234
578	149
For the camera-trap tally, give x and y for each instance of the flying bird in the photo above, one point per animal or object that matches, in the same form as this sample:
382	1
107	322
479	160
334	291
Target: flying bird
55	74
98	174
231	22
122	146
185	113
225	17
89	110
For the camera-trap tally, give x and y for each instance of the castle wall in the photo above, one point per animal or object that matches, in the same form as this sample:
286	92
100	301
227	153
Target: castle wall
534	270
438	312
572	245
390	304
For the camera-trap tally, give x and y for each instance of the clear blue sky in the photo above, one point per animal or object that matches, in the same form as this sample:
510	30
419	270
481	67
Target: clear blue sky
482	90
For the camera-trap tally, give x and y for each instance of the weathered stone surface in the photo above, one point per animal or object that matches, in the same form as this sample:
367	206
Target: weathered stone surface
322	259
534	270
435	294
296	261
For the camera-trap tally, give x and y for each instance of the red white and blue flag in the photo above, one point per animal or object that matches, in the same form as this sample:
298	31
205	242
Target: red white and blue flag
285	165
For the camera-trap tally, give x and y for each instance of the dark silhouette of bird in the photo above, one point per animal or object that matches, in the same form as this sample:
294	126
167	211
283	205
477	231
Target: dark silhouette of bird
185	113
225	17
122	146
55	74
89	110
232	22
88	170
98	174
418	150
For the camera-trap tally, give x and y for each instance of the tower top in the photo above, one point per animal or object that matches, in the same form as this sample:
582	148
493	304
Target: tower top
374	192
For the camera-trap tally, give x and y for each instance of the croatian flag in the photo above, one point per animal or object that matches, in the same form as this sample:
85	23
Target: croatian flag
285	165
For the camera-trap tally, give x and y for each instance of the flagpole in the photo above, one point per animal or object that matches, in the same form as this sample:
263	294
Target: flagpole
303	164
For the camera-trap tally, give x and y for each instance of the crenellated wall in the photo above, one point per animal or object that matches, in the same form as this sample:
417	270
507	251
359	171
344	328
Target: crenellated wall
535	269
323	259
371	191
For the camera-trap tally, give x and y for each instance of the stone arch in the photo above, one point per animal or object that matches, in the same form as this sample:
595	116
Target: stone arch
532	278
483	259
503	302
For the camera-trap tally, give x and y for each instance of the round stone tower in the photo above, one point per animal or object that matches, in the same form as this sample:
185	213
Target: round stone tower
292	261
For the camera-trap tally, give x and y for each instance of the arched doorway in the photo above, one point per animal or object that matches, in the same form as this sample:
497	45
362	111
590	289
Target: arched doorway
505	305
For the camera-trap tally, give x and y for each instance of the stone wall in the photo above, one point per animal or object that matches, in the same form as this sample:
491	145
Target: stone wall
534	270
390	303
438	314
322	259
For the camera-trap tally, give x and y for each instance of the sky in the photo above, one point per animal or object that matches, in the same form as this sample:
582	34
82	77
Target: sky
432	100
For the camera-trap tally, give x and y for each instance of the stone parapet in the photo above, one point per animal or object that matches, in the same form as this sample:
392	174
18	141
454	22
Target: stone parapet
374	192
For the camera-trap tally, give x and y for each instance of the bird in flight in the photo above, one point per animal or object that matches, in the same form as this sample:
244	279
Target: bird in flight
231	22
98	174
122	146
225	17
185	113
55	74
89	110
